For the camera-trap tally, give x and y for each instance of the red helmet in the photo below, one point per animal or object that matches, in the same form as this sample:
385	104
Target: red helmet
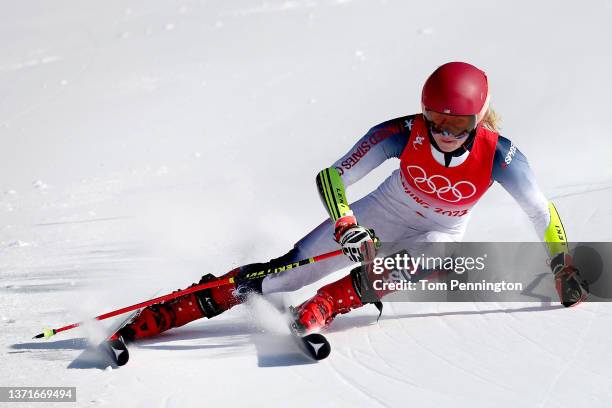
456	88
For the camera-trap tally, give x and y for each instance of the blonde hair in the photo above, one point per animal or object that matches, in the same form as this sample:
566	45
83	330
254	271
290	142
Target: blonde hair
492	120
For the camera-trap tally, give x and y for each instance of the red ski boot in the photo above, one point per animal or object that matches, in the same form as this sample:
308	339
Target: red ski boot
319	311
182	310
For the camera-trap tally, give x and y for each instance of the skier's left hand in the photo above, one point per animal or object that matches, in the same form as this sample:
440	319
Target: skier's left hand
572	289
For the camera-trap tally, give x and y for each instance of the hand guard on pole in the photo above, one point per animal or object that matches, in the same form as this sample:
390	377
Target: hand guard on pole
572	289
356	241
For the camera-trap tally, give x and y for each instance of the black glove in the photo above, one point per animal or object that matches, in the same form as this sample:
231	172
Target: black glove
572	289
358	242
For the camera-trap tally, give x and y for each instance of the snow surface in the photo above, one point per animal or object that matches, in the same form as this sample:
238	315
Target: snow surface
145	143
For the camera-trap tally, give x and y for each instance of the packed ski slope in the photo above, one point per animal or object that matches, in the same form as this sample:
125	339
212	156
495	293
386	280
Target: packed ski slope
145	143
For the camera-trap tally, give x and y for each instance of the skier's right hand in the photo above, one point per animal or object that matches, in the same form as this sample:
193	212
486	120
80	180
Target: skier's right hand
358	243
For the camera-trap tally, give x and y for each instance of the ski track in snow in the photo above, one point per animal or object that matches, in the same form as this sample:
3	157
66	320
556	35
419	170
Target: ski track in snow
347	382
581	190
449	362
383	359
580	341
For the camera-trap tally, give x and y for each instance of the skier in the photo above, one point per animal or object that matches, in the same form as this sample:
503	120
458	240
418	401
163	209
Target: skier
449	154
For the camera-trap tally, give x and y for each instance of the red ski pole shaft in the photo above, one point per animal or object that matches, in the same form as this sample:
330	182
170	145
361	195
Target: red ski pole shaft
254	275
50	332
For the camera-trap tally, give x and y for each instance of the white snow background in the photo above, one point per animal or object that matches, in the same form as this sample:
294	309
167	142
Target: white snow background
145	143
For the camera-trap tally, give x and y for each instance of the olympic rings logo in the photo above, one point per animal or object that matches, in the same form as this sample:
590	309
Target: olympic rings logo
441	185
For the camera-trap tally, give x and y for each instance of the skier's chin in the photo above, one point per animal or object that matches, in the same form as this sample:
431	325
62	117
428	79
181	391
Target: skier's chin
448	145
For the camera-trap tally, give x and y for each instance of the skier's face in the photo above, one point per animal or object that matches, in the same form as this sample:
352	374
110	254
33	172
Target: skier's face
448	143
449	131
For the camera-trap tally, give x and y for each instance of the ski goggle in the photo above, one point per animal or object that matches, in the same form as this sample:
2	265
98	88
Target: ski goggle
457	126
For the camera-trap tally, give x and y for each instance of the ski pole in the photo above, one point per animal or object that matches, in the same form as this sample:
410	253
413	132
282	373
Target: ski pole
47	333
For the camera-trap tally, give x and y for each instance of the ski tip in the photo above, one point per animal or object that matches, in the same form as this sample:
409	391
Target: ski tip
317	345
118	351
